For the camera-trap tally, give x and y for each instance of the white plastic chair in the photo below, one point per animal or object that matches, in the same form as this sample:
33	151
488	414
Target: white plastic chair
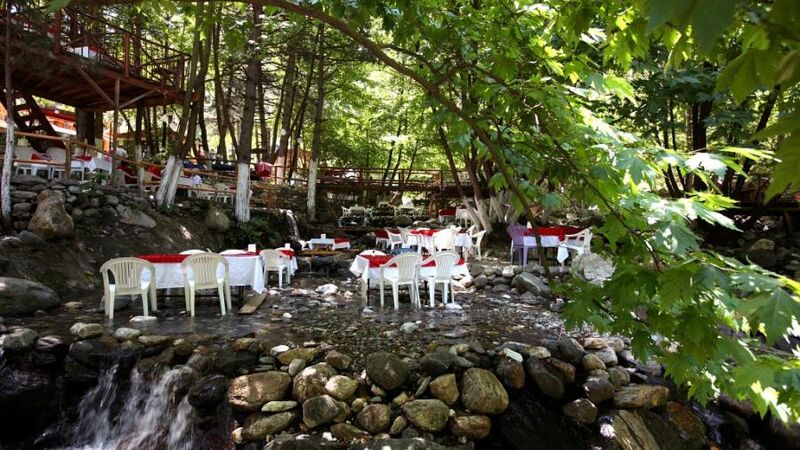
477	238
275	261
26	153
127	274
192	252
409	240
223	193
445	239
395	239
444	262
233	252
406	272
204	191
204	271
59	156
580	242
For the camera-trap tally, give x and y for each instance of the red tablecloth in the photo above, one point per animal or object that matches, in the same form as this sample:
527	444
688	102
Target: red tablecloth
382	234
447	212
38	157
173	259
424	232
341	240
287	252
379	260
82	157
559	231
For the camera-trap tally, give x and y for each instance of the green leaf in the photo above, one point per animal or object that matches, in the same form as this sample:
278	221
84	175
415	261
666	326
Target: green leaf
775	313
786	174
55	5
709	19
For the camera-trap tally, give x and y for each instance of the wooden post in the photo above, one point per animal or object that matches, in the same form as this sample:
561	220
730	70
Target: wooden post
57	32
68	160
114	128
126	44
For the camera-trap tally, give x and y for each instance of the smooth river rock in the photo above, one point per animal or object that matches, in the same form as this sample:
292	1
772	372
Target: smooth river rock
251	392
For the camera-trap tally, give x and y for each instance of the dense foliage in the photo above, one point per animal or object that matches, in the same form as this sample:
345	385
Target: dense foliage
650	110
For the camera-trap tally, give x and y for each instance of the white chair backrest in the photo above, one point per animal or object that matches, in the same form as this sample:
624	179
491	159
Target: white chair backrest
272	258
233	252
357	210
57	154
472	229
203	268
372	253
25	153
127	274
406	235
407	266
444	239
395	238
345	211
478	237
192	252
445	262
585	235
222	189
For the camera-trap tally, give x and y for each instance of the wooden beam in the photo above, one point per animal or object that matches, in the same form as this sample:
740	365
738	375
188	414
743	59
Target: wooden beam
95	86
134	100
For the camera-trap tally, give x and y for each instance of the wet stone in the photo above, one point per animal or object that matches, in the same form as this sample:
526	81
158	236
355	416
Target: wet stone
428	414
444	388
279	406
472	427
581	410
375	418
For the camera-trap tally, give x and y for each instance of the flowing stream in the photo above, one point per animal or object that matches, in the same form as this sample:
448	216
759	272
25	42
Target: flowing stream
294	233
149	417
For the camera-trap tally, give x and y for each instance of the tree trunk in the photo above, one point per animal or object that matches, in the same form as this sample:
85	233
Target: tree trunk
481	207
252	80
316	143
8	161
137	139
454	171
262	118
762	123
219	96
169	180
227	115
298	121
286	115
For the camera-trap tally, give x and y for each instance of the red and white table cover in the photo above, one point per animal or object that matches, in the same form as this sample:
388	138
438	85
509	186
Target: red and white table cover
245	269
368	268
551	237
336	243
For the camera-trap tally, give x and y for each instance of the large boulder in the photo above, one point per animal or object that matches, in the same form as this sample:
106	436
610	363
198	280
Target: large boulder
311	381
482	392
387	370
250	392
208	393
51	221
641	396
375	418
762	252
592	268
324	409
528	282
258	426
631	432
18	340
429	415
130	216
18	296
217	220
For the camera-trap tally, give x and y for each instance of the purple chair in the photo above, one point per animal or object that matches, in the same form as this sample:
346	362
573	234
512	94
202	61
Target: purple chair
517	234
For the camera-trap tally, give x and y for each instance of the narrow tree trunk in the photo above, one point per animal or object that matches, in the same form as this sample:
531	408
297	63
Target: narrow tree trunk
299	119
762	123
288	106
262	117
277	120
8	161
219	95
137	138
252	80
316	143
227	116
481	208
454	171
169	180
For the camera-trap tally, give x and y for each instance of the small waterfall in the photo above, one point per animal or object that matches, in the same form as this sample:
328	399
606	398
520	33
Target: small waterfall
149	417
294	233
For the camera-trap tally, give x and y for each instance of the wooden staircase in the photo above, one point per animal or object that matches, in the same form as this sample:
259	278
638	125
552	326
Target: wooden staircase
29	118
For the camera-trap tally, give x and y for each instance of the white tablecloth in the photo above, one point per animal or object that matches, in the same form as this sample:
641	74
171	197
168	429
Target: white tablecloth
244	271
102	162
360	268
328	242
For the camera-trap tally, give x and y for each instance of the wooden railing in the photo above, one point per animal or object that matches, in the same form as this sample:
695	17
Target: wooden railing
72	32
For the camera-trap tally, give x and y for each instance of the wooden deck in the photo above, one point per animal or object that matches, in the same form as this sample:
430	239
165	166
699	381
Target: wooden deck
79	60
